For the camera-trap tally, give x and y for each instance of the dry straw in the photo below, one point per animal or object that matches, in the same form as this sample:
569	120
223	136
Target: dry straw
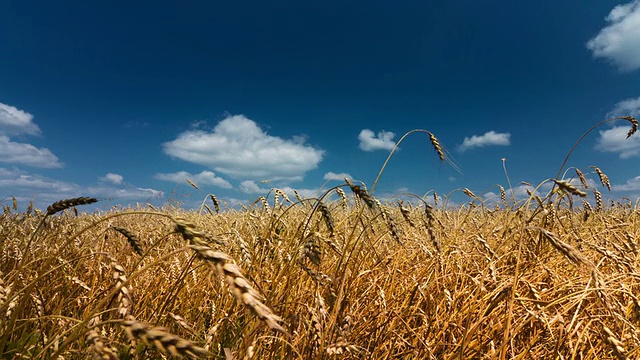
604	179
567	250
132	239
569	188
361	194
634	125
193	184
615	344
343	198
216	203
503	196
226	267
99	349
598	197
469	193
583	180
162	339
436	145
326	215
62	205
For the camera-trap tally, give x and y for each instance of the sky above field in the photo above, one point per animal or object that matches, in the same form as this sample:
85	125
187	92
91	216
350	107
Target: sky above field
123	101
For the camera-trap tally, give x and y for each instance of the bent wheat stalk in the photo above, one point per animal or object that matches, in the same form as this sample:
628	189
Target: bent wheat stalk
227	268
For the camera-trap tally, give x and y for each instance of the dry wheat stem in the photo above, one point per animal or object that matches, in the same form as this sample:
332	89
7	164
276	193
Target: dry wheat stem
162	339
226	267
62	205
132	239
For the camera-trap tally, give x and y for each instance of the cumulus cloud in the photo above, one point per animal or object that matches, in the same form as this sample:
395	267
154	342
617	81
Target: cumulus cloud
112	178
26	154
615	140
238	147
250	187
339	177
630	107
203	178
370	142
619	42
630	185
489	138
14	121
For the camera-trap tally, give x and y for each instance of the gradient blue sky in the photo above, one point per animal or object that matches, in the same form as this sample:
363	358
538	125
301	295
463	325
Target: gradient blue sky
124	100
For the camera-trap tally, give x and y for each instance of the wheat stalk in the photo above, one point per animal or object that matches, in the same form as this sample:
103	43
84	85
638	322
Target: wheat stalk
583	180
436	145
604	179
62	205
132	239
192	184
226	267
98	347
162	339
634	125
216	203
567	187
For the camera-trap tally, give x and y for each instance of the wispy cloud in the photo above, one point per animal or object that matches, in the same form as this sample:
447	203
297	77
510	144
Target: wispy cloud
203	178
14	121
334	176
46	190
370	142
615	140
136	125
619	42
630	185
112	178
27	154
125	193
238	147
490	138
626	107
22	182
250	187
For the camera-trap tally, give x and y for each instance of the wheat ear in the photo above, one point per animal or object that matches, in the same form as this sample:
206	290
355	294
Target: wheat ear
226	267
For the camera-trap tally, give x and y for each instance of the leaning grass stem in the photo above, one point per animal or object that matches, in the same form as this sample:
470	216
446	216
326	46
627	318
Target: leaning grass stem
633	122
395	147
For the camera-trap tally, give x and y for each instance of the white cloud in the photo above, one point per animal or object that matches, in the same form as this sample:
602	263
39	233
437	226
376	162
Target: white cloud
339	177
45	190
370	142
630	185
250	187
238	147
127	193
627	107
16	122
27	154
112	178
619	42
488	139
21	181
615	140
203	178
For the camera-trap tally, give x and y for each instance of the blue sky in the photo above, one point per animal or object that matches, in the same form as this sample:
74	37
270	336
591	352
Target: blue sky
124	100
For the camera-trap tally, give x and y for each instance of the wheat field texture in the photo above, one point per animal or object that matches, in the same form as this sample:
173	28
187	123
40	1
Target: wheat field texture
555	275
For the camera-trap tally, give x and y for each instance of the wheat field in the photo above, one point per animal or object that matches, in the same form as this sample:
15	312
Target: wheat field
345	275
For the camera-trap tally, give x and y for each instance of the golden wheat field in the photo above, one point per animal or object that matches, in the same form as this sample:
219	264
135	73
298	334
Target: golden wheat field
343	275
